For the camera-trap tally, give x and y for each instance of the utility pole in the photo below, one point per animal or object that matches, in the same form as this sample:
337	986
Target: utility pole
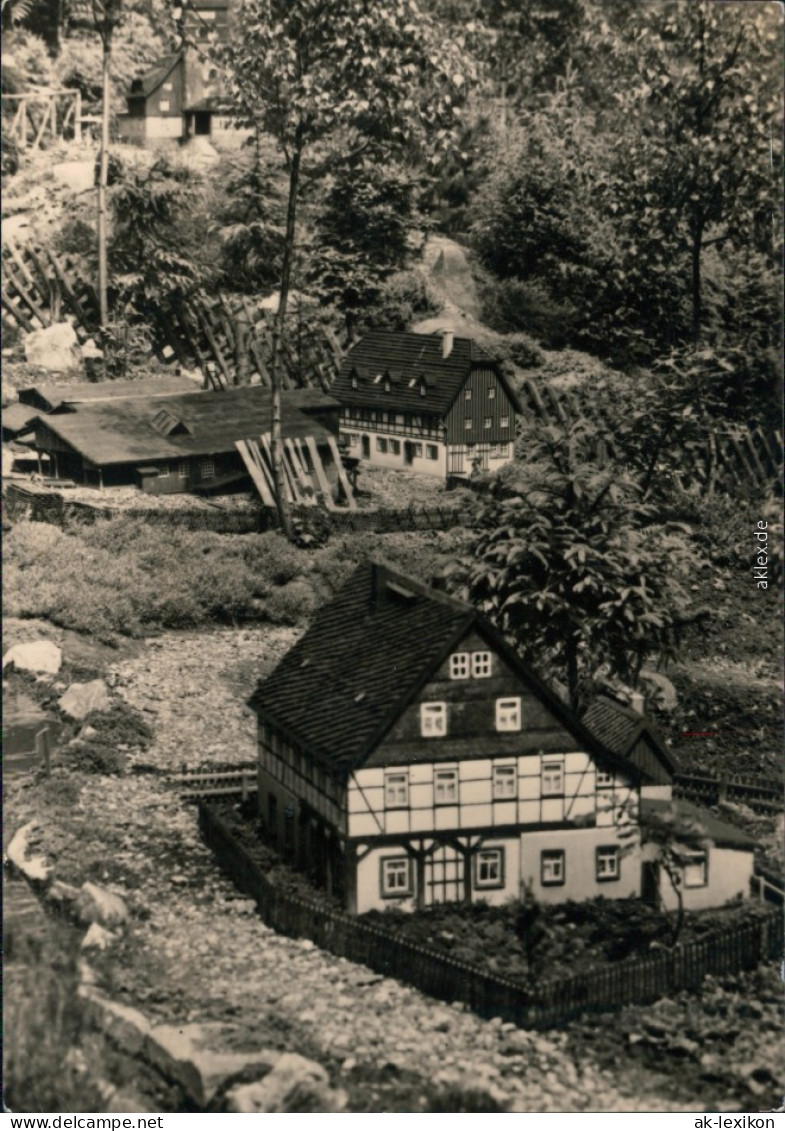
106	14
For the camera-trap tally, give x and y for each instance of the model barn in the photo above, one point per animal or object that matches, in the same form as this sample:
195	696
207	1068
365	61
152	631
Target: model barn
407	757
432	403
177	443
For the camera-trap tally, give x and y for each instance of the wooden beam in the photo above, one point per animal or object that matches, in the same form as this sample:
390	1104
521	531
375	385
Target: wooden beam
303	478
347	487
17	315
23	294
255	473
319	472
208	333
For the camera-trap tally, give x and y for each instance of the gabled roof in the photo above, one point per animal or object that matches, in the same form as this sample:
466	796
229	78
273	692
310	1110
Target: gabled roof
366	656
407	360
125	431
720	832
620	728
49	398
159	72
17	418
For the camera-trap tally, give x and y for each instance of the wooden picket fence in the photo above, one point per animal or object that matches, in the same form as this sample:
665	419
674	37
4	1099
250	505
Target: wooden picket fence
38	119
762	795
40	288
639	980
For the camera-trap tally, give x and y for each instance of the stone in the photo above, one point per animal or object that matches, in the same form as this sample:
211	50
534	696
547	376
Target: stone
33	867
95	904
294	1084
184	1055
97	938
37	656
125	1027
53	347
82	698
61	894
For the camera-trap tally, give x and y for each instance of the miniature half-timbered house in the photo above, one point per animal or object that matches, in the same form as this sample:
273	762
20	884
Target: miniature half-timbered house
432	403
408	757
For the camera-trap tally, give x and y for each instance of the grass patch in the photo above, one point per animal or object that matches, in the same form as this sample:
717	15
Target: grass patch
123	577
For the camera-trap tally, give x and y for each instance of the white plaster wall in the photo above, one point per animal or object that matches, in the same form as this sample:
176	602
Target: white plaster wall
580	866
164	127
421	464
730	872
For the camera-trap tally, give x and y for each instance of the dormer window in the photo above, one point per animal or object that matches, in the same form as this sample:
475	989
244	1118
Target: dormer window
423	389
387	384
354	380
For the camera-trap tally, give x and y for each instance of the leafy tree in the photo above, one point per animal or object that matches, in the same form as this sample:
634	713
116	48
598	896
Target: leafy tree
698	86
569	564
248	225
363	236
365	76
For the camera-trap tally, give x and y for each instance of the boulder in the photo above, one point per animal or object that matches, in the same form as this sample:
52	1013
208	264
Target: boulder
33	867
95	904
38	656
97	938
294	1084
54	347
61	895
185	1055
82	698
126	1028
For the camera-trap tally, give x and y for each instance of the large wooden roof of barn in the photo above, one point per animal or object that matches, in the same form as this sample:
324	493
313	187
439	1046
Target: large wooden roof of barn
51	397
367	655
147	83
408	362
194	424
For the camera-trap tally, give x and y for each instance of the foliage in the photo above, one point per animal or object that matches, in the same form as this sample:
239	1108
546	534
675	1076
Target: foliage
571	566
363	235
112	734
248	223
402	299
150	208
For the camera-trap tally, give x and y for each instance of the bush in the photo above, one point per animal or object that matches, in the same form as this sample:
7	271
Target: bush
513	305
404	298
520	349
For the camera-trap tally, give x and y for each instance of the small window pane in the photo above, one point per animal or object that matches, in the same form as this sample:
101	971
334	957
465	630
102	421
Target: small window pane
552	867
459	665
504	422
604	779
504	782
552	779
433	719
467	423
696	870
431	451
508	714
395	447
396	876
489	868
445	787
468	394
481	665
163	471
487	422
381	444
491	394
396	790
608	863
207	468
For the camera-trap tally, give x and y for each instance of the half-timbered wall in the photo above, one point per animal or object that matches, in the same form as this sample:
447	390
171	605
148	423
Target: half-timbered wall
386	438
295	779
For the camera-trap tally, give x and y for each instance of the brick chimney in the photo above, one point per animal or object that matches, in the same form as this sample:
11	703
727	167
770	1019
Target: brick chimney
448	336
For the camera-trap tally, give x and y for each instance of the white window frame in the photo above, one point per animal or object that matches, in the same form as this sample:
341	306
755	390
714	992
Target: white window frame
163	471
467	424
163	105
508	714
395	447
381	444
418	451
445	786
505	782
431	451
467	396
492	393
481	665
459	665
607	854
605	780
552	777
553	867
493	860
184	469
433	720
693	860
167	87
487	422
393	870
207	467
504	422
396	789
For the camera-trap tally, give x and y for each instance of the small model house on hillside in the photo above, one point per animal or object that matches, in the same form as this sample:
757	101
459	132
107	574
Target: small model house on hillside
432	403
408	757
179	95
177	443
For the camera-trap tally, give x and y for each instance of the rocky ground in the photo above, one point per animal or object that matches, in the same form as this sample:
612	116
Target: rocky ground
193	953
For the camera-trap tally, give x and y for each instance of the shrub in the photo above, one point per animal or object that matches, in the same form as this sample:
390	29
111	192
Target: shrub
403	298
520	349
513	305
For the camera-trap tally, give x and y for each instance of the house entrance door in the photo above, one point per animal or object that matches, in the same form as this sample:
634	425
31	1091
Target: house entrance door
366	447
650	882
408	452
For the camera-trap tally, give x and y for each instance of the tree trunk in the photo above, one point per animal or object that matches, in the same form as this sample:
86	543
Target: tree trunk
281	502
571	646
103	177
697	301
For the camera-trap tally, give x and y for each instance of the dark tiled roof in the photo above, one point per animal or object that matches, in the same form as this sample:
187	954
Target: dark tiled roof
147	83
364	659
720	832
620	727
405	358
122	431
50	397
